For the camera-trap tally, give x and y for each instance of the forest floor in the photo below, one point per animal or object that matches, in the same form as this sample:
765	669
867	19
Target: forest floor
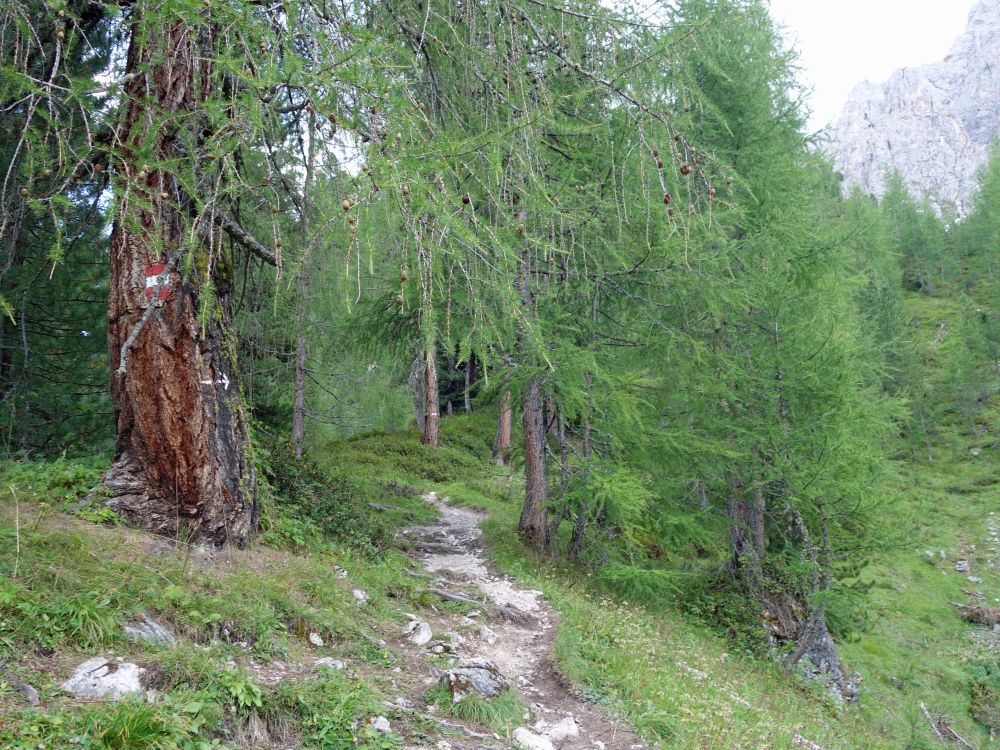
252	628
642	671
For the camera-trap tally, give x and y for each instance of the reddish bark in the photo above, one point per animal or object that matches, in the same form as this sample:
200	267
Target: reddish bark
532	523
182	457
505	424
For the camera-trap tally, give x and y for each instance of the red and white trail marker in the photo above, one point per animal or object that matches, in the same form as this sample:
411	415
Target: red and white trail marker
156	276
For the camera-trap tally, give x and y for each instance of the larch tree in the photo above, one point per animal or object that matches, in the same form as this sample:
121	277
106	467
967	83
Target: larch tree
182	462
209	96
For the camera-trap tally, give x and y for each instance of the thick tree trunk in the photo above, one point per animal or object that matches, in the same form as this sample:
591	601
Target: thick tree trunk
532	524
505	424
432	415
182	455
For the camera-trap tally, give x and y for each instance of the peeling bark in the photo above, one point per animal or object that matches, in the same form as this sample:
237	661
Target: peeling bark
182	461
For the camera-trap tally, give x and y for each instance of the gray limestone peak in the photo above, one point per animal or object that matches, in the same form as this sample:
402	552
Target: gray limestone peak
933	124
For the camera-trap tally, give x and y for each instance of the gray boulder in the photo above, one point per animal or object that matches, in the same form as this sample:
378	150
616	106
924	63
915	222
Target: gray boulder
146	628
476	676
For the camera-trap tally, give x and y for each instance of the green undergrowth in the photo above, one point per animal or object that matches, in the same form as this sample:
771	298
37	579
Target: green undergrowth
917	648
680	684
671	677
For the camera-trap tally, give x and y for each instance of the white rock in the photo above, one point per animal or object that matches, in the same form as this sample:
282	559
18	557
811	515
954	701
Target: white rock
103	678
361	597
562	731
962	566
487	634
418	632
933	124
528	740
315	640
329	662
381	724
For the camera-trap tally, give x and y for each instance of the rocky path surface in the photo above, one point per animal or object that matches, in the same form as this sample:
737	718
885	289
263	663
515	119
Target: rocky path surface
510	626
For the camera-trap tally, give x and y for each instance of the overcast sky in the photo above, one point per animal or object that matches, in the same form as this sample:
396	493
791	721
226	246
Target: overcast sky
844	42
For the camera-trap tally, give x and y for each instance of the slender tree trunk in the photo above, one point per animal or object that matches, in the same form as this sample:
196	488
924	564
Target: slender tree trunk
755	517
417	382
432	414
505	424
301	298
564	475
702	495
299	395
580	522
182	452
470	376
814	641
532	524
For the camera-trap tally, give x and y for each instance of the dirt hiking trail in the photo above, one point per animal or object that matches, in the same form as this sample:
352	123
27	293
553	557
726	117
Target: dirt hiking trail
513	627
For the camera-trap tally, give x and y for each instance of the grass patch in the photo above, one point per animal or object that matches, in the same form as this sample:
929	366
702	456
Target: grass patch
67	586
502	714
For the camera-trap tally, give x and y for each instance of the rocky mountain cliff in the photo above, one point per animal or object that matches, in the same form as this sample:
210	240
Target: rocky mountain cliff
933	124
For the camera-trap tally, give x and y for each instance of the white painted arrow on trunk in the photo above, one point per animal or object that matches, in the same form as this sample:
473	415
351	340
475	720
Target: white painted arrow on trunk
224	381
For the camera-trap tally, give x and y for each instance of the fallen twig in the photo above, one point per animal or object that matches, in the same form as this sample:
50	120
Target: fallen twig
930	720
30	694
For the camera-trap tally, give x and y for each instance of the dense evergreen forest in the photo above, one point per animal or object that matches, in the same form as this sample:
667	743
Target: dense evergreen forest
271	271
